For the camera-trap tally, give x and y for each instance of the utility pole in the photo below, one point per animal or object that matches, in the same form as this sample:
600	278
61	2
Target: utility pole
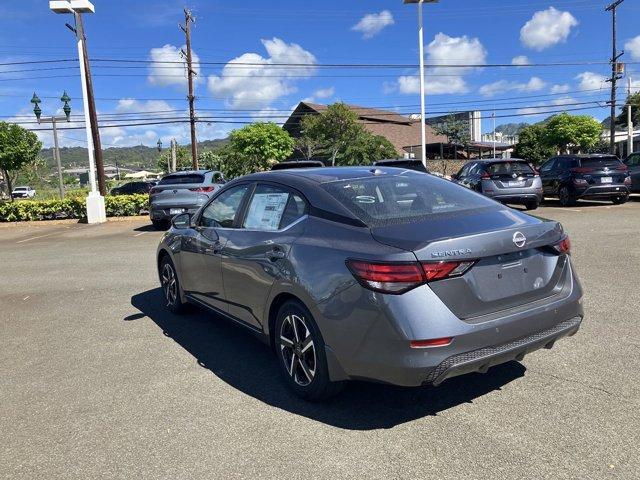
614	74
174	153
186	28
629	119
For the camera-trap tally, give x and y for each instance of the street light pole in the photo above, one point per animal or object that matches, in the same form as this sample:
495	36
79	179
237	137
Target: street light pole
423	121
629	119
54	123
96	212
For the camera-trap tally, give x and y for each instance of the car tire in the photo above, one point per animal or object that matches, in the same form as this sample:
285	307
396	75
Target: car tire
532	205
620	200
301	356
160	224
170	284
567	198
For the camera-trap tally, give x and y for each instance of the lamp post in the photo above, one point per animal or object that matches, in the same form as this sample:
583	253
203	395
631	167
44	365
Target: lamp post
423	123
53	120
96	212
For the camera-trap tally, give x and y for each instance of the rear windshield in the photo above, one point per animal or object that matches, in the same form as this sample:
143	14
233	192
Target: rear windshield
391	200
185	178
507	168
600	162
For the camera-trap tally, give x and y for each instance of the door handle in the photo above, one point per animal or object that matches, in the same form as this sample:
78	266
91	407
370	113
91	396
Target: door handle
275	254
214	250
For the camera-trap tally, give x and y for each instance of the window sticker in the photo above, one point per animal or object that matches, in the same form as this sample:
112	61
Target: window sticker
265	211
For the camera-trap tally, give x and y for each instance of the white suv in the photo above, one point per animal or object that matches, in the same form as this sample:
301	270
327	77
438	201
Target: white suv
23	192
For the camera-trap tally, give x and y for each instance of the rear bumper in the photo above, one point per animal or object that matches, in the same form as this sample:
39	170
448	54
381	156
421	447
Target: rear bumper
164	212
517	197
607	191
482	359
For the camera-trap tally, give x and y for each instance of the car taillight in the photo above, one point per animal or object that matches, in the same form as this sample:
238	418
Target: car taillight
563	246
400	277
203	189
153	191
485	175
580	181
622	167
434	342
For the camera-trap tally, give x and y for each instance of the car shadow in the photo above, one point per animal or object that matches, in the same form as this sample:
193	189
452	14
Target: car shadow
146	228
247	364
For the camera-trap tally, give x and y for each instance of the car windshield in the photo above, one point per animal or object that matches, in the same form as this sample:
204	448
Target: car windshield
391	200
600	162
183	178
508	168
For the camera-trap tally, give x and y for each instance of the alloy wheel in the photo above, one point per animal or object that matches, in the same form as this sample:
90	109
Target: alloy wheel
297	349
169	284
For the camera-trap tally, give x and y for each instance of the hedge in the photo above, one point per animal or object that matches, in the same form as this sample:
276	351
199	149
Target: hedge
72	207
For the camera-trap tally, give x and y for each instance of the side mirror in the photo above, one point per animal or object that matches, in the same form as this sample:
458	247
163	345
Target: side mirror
181	221
454	176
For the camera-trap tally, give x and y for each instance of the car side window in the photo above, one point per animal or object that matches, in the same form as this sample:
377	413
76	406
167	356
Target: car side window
633	161
222	211
464	171
273	208
548	166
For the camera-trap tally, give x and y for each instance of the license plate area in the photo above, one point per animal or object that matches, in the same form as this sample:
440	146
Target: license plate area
176	211
606	180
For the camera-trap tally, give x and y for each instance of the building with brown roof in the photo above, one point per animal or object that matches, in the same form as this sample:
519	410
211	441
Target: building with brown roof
400	130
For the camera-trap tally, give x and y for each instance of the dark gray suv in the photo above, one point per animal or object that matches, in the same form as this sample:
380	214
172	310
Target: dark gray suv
181	192
373	273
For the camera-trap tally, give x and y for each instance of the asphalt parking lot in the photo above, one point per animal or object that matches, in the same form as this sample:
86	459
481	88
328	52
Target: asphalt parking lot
97	380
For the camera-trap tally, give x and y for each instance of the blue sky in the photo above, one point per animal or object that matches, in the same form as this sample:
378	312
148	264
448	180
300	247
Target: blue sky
331	32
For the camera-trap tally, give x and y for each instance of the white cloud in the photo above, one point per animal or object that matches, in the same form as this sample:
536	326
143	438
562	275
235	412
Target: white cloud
520	60
591	81
324	92
564	88
633	47
259	84
547	28
547	108
535	84
163	74
373	23
446	50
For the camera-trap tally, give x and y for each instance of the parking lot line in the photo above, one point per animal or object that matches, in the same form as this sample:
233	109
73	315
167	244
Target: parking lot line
35	238
138	234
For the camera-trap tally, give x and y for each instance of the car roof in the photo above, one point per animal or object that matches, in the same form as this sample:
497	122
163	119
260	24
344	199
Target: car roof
500	160
590	155
323	175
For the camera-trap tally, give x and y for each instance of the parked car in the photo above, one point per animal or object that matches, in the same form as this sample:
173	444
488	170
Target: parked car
633	164
409	164
23	192
594	176
379	274
506	180
297	164
133	188
181	192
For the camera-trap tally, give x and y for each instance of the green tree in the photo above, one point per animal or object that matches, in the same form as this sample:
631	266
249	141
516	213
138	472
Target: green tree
532	145
366	149
332	131
566	131
18	148
337	135
183	159
456	130
258	146
634	101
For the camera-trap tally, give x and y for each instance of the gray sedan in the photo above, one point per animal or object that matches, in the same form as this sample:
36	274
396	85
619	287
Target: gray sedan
373	273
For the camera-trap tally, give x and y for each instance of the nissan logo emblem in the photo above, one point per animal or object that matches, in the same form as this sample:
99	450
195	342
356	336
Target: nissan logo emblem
519	239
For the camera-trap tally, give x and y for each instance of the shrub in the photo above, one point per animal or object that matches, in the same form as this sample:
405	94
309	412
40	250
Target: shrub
70	207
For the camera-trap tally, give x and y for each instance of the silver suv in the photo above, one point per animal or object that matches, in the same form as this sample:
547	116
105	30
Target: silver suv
506	180
181	192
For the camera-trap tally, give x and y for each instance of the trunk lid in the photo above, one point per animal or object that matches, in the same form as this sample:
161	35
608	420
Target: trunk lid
508	273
